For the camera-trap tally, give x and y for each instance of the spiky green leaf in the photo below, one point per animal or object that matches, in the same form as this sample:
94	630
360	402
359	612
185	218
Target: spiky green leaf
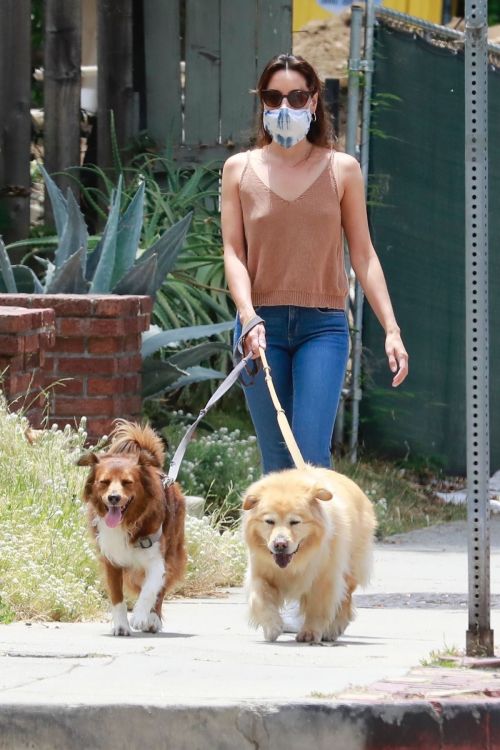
196	354
7	281
26	280
168	247
57	200
139	279
151	342
74	236
195	375
103	274
156	376
127	237
69	278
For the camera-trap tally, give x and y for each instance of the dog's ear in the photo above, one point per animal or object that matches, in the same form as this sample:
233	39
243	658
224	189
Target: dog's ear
250	501
321	493
88	459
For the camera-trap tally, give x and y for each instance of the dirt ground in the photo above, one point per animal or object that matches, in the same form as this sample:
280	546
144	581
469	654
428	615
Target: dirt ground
325	44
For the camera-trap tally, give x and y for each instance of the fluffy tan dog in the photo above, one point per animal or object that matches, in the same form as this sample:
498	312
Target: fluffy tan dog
310	535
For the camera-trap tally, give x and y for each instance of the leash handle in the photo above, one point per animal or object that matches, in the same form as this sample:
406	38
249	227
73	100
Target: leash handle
286	431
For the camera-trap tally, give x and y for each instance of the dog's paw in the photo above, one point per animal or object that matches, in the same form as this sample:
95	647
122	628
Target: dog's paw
121	630
154	624
140	620
307	635
272	632
120	620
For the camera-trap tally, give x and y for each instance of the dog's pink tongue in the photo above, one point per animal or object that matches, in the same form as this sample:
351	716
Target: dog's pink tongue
113	517
282	559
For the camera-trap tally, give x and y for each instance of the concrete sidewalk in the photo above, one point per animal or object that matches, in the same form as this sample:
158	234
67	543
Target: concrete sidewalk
209	681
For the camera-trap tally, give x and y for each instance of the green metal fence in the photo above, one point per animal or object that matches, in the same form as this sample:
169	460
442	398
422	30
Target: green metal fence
418	226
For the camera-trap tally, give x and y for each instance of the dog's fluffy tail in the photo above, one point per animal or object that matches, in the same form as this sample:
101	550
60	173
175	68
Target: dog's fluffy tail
131	437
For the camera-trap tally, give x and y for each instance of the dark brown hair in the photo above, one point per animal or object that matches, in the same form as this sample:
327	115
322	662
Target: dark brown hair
321	130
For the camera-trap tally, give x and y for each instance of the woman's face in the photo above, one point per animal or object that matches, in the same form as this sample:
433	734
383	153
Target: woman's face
291	80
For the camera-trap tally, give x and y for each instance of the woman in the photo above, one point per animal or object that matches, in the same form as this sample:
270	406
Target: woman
284	206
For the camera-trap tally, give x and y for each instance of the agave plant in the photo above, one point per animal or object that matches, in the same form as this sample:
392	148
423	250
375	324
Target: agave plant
175	367
113	266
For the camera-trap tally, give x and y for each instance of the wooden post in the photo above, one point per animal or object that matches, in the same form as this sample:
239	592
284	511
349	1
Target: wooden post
15	119
62	53
114	76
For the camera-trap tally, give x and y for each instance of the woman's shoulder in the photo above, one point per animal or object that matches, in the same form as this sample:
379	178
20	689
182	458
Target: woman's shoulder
234	167
345	161
236	161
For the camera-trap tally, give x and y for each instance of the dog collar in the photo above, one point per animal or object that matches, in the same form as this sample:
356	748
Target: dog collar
146	542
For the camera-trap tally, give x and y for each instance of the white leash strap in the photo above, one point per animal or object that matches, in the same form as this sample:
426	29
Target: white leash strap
221	390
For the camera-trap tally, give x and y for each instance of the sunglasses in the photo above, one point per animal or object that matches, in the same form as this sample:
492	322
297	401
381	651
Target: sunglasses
297	99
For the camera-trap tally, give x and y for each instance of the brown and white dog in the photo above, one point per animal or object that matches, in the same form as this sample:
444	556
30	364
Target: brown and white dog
138	524
309	534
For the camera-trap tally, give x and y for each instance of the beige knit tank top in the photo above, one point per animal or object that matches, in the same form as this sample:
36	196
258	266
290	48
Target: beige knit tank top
294	248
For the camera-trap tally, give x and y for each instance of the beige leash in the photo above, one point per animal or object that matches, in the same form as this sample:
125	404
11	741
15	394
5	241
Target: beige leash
282	420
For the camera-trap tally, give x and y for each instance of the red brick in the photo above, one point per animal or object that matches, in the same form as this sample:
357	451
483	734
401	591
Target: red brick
66	345
16	362
109	326
48	317
97	427
43	317
20	382
72	327
31	342
131	405
15	300
11	343
14	319
132	384
65	305
84	406
47	337
50	363
146	305
132	343
33	360
105	386
115	306
129	364
106	345
84	365
136	325
64	386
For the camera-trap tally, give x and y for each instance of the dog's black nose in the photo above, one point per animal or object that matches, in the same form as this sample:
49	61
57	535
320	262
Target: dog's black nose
114	499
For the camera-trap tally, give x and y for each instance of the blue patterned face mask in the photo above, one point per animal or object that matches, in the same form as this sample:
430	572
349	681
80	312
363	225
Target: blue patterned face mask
287	126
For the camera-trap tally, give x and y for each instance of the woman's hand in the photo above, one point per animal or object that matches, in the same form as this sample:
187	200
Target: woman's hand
255	338
397	356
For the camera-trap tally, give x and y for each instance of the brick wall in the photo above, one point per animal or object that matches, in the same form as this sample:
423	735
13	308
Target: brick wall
93	368
25	336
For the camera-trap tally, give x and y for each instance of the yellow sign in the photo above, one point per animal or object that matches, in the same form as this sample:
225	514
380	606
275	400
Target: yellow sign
319	10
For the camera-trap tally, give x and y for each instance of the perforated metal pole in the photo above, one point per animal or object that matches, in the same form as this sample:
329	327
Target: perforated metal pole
479	639
354	69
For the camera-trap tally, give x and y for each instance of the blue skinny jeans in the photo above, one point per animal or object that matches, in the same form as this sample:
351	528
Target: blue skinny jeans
307	350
